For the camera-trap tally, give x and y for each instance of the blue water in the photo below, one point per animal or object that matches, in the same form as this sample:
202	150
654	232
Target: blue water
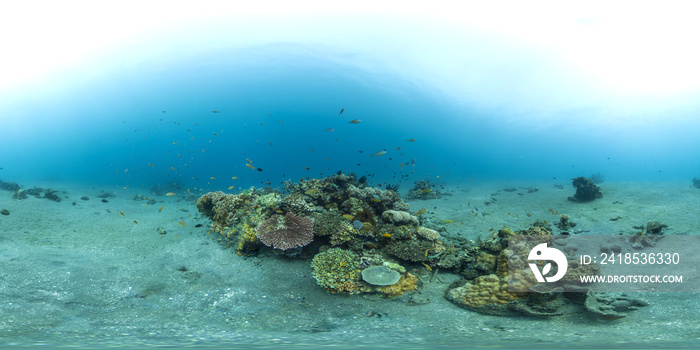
275	102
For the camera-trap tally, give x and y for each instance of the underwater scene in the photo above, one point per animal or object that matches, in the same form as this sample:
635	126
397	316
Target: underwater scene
378	174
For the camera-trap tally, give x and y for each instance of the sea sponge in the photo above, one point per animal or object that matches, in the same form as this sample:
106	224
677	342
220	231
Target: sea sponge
399	217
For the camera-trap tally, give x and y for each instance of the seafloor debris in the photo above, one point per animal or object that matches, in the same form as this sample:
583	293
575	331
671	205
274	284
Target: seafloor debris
586	190
648	235
565	223
9	186
611	306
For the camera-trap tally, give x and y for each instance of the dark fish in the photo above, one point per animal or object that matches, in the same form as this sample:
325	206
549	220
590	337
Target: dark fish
341	111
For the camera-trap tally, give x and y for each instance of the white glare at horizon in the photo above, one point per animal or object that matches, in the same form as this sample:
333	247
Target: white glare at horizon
622	47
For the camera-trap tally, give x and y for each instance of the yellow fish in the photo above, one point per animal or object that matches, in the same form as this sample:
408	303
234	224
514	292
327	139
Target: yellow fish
235	177
421	212
386	235
348	216
161	209
231	187
120	213
411	140
182	223
250	166
170	194
448	221
355	121
311	191
213	178
427	190
136	222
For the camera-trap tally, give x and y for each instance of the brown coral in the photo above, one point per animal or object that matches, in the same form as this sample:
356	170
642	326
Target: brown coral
286	232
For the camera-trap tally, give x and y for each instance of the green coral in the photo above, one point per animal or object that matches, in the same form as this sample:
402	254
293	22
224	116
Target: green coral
337	270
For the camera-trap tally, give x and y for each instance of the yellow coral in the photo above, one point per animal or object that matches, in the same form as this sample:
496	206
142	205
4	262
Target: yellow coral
488	289
248	243
406	283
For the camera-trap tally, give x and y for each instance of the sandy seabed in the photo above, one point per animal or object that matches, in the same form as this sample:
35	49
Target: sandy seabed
78	273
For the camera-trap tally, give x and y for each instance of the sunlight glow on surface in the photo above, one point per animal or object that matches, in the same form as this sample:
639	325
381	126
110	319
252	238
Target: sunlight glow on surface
521	52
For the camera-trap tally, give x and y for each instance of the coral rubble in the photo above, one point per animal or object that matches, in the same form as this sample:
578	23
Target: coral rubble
586	190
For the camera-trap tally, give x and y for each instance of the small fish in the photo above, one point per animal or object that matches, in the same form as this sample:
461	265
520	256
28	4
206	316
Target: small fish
150	165
235	177
213	178
311	191
427	267
250	166
380	153
330	129
342	263
386	235
182	223
376	198
508	214
448	221
170	194
427	190
306	168
411	140
249	161
214	111
398	148
348	216
355	121
231	187
161	209
341	111
215	134
120	213
258	169
173	168
421	212
126	171
491	229
136	222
